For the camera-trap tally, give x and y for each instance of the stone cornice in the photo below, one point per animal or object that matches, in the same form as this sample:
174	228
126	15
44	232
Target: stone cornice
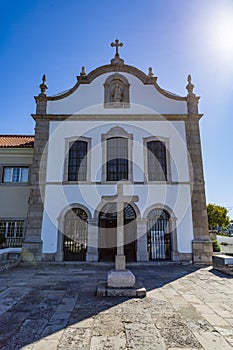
13	151
87	79
114	117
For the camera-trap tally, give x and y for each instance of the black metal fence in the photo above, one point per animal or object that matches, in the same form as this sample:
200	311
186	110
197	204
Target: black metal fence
13	242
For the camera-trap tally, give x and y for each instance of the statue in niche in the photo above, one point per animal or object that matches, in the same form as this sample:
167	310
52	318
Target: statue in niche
117	93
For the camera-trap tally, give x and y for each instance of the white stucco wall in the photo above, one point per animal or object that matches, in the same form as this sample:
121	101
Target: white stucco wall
173	131
89	99
175	195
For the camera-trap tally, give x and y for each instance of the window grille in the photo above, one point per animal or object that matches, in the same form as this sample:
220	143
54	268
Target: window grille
158	236
75	235
13	232
117	159
77	165
157	161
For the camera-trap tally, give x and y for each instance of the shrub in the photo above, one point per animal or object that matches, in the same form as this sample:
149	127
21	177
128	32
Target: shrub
216	246
224	243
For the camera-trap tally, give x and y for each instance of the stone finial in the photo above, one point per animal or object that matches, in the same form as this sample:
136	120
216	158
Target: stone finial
190	86
43	86
192	99
83	72
150	72
41	99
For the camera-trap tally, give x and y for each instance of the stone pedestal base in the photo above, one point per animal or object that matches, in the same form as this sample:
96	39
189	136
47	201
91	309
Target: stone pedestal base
142	256
120	279
136	292
31	250
202	251
59	256
92	257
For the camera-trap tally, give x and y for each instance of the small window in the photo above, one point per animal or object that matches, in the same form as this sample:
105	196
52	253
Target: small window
12	231
157	161
15	174
77	165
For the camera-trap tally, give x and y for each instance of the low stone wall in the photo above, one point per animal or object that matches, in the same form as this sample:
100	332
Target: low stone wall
223	263
9	257
225	249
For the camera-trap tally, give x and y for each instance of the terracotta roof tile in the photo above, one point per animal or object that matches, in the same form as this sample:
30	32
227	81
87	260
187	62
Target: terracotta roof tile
16	141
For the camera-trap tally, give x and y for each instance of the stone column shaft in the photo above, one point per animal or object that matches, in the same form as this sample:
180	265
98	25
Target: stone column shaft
142	252
92	240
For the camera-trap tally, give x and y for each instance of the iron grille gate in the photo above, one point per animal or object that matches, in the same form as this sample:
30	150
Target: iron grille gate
75	235
159	239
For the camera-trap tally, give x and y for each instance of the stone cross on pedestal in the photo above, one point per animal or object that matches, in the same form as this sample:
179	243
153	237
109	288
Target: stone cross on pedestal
117	44
120	276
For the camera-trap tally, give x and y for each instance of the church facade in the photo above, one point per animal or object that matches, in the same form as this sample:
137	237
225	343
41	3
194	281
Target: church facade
117	125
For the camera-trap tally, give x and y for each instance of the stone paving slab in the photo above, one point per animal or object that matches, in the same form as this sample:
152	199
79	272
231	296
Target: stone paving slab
54	307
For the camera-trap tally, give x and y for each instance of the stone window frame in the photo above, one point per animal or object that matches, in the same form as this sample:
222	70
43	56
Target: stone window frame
66	159
123	81
14	165
166	142
116	131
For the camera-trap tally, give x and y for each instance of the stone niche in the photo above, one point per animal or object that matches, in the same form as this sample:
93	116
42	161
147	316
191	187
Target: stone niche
116	92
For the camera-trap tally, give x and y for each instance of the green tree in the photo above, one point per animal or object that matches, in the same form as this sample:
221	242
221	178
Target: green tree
217	216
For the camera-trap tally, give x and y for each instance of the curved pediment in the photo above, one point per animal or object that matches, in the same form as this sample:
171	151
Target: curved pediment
84	78
112	89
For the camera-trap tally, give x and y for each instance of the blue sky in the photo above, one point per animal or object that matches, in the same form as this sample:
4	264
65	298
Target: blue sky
175	37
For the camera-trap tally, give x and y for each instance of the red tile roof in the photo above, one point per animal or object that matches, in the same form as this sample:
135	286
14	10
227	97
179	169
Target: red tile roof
16	141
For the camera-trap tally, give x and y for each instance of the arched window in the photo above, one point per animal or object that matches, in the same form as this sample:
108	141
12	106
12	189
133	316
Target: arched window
117	159
77	164
157	161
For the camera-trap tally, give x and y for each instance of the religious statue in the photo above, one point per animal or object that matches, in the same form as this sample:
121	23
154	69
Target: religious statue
117	93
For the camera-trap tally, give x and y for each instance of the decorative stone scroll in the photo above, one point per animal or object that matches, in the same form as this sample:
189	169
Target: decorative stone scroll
116	92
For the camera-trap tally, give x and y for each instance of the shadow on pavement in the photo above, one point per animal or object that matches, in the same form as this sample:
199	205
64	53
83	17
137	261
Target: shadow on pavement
37	301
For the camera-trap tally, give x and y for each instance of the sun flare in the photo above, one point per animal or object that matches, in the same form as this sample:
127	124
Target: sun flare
220	34
224	35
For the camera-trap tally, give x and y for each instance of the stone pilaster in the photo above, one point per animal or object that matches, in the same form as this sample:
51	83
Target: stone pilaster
202	246
32	245
59	255
41	105
142	253
92	240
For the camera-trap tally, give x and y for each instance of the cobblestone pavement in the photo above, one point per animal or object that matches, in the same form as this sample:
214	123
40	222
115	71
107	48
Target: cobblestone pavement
55	307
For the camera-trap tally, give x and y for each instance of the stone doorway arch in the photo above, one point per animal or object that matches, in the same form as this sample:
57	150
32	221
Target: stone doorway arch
73	233
158	235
